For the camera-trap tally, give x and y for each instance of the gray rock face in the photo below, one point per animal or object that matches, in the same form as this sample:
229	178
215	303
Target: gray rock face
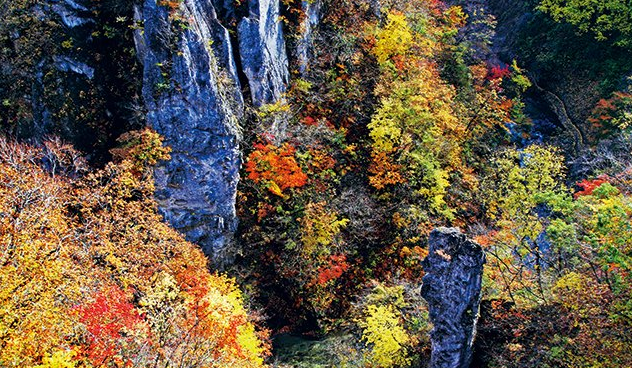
452	288
262	51
71	13
304	47
75	70
66	64
192	96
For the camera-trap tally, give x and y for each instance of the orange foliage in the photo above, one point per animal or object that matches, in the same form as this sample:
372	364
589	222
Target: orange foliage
73	249
113	324
588	186
610	115
385	171
172	5
308	120
320	161
486	240
275	167
333	270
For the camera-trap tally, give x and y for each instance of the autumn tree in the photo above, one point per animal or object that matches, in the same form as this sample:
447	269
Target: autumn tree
275	168
90	270
521	187
394	325
611	116
415	117
38	276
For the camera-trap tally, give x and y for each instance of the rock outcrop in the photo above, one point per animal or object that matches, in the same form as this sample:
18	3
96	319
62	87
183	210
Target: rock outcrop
72	13
192	95
262	52
452	288
305	45
72	70
78	73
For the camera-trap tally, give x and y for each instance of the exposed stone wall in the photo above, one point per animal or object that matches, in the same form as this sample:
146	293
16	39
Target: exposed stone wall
452	288
193	99
305	45
193	96
263	53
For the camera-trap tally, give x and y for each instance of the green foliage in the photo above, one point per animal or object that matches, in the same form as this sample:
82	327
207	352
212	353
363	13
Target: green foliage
394	325
320	228
274	110
519	180
518	78
411	128
600	222
611	19
519	187
559	53
387	296
143	148
583	273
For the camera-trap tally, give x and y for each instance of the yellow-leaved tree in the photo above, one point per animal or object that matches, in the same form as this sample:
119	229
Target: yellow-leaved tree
93	277
416	133
383	331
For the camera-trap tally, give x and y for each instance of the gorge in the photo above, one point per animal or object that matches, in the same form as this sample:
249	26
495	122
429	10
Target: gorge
315	183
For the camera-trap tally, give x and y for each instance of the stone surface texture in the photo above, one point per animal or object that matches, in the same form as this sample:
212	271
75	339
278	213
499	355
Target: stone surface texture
308	27
452	288
193	99
263	53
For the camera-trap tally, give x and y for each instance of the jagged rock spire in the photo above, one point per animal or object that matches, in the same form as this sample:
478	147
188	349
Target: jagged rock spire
452	288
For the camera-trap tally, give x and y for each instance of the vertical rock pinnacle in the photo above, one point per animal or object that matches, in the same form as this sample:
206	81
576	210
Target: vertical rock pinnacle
452	288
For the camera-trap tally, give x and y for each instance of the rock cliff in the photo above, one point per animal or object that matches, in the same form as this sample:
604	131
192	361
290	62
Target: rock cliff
84	81
305	45
452	288
263	54
193	99
191	94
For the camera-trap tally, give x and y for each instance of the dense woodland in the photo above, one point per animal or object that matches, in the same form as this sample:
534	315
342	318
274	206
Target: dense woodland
412	115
